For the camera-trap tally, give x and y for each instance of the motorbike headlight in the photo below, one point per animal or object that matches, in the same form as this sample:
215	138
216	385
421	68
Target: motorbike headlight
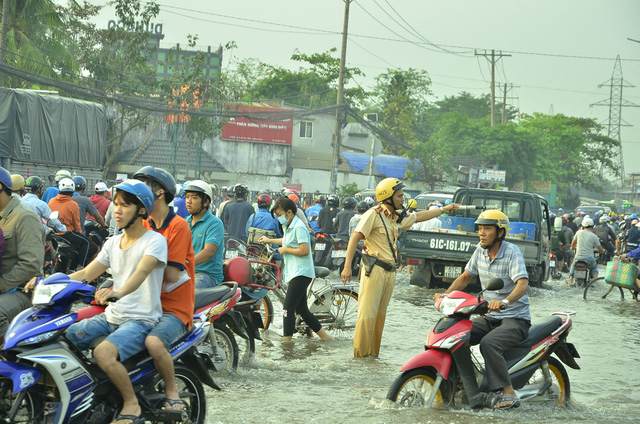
449	306
43	293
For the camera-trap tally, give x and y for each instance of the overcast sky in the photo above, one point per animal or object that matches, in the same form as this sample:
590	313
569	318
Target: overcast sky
561	50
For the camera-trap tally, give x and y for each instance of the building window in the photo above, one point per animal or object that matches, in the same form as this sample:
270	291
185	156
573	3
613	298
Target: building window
306	129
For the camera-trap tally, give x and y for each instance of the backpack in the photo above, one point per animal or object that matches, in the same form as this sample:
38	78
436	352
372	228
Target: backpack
602	232
255	233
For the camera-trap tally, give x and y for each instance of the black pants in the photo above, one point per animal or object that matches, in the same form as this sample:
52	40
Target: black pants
295	302
81	244
495	336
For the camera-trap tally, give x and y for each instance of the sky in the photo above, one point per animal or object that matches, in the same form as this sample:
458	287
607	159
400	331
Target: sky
560	50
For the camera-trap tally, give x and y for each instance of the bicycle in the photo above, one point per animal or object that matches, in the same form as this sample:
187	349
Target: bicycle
334	304
601	289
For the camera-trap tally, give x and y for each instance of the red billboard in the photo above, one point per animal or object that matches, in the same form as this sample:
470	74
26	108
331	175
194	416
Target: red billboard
258	124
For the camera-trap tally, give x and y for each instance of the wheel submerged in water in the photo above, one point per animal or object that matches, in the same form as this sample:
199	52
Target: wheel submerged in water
414	388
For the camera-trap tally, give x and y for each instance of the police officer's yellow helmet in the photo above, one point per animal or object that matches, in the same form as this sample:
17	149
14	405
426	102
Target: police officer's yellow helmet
387	187
494	217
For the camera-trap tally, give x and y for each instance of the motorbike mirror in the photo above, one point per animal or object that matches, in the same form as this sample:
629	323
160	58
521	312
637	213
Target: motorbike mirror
54	215
494	284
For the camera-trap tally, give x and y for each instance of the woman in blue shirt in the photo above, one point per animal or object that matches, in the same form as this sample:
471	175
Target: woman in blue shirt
298	267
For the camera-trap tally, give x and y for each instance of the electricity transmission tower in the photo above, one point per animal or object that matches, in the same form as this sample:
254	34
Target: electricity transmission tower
615	102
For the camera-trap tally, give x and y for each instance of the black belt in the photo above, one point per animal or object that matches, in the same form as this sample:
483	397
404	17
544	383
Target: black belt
368	259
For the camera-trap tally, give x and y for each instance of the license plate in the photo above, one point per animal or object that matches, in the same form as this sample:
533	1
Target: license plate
230	254
552	263
320	246
339	254
452	271
582	274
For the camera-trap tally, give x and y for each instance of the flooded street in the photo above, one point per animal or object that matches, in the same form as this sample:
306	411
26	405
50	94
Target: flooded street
315	382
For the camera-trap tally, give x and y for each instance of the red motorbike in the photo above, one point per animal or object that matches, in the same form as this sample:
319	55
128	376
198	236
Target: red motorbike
447	370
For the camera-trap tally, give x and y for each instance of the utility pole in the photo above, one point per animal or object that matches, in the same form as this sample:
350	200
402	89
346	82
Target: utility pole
615	104
4	30
493	58
337	135
504	101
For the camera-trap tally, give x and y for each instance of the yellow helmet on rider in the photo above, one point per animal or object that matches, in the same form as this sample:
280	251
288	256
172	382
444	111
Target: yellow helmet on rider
386	188
496	218
412	204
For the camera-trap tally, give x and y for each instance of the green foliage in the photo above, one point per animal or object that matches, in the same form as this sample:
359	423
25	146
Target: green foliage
348	190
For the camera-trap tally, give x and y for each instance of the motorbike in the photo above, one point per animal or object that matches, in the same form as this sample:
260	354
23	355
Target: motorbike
45	379
553	267
582	273
447	369
323	250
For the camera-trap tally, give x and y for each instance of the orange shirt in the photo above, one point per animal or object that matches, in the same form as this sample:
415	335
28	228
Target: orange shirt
69	212
181	301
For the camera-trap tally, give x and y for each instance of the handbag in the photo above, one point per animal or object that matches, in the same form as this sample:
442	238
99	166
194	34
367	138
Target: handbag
255	233
621	274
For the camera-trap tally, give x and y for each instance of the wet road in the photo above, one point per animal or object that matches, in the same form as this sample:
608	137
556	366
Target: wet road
308	381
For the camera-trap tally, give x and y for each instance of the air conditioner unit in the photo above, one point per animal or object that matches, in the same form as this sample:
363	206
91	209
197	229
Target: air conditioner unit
371	117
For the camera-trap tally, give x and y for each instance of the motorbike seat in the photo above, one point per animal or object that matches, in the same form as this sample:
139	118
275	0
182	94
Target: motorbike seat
540	330
321	272
210	295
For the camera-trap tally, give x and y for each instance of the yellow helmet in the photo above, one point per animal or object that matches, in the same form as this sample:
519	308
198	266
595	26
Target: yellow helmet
494	217
412	204
17	181
387	187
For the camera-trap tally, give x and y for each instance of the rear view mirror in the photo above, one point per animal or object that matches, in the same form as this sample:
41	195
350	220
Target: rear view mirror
494	284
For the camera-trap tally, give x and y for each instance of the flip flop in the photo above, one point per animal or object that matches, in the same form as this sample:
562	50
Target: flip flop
515	402
135	419
173	402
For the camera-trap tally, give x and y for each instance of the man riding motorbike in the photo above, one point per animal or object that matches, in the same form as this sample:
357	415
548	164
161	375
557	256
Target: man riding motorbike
500	329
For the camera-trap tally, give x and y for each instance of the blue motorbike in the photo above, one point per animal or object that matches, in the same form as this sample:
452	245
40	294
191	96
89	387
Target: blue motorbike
45	379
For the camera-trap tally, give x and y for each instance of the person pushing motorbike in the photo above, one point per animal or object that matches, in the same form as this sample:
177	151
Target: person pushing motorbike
379	227
500	329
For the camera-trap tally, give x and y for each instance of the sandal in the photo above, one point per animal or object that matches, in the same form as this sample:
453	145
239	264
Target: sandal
172	403
515	402
135	419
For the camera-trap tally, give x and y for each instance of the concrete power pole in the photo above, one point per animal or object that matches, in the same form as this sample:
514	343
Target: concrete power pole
4	29
615	104
337	135
493	58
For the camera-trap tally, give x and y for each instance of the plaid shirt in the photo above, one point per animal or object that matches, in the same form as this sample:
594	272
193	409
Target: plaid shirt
507	265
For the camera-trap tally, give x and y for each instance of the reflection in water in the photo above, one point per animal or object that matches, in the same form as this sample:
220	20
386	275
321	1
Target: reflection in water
308	381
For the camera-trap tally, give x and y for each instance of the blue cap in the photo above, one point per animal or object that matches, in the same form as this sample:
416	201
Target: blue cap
5	178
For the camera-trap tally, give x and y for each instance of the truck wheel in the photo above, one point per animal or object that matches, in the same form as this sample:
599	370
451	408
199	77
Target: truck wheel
538	276
421	276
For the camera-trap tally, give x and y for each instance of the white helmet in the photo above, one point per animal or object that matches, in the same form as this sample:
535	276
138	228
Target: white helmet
587	222
63	173
369	200
66	185
200	186
101	187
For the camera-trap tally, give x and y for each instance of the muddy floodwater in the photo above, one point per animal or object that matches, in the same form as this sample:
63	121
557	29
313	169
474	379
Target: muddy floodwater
308	381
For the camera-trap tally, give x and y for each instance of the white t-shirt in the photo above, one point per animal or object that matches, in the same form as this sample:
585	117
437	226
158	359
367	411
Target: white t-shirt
144	303
587	242
430	225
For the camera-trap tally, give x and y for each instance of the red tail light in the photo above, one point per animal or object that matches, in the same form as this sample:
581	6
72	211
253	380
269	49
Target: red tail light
412	261
321	236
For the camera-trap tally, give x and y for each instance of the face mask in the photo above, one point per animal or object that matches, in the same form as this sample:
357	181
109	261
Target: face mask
283	220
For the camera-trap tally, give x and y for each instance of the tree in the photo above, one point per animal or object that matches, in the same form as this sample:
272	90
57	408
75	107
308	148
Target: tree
402	96
35	39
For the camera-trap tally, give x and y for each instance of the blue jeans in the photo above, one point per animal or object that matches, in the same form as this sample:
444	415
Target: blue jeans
127	337
205	281
169	329
591	263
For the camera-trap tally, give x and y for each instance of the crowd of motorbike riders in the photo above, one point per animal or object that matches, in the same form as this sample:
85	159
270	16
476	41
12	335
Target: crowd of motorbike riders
39	223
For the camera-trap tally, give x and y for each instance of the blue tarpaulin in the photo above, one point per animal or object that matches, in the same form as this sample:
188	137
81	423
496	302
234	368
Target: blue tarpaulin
357	161
391	166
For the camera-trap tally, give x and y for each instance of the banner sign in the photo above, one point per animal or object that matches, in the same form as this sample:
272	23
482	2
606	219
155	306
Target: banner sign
541	187
259	125
492	176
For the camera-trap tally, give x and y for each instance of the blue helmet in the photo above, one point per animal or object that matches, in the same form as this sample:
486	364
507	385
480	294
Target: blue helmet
80	182
5	178
633	215
161	177
142	192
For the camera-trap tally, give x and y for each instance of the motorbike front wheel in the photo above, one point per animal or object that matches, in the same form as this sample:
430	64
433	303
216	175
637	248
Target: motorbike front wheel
266	312
413	388
600	290
31	408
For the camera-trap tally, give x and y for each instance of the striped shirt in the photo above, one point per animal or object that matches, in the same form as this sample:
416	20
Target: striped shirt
507	265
